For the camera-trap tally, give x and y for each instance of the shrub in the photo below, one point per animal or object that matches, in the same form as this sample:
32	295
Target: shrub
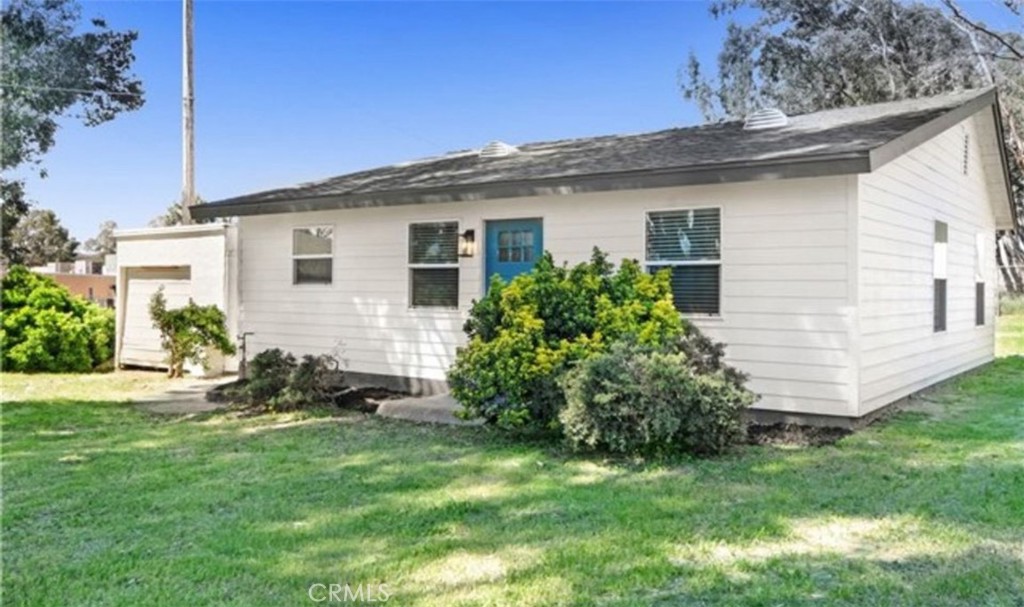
43	327
277	380
638	399
268	374
525	334
186	333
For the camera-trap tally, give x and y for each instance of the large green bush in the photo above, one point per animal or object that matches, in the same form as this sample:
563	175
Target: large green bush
43	327
187	332
638	399
524	335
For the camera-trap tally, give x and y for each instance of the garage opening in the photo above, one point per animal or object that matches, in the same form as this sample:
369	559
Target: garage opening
140	342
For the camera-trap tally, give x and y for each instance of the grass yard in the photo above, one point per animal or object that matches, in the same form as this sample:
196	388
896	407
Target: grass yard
1010	334
106	505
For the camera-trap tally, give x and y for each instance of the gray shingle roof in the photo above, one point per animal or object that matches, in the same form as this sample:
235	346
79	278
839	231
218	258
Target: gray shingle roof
713	149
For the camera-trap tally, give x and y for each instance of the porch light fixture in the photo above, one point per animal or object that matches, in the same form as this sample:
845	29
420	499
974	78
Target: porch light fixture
467	243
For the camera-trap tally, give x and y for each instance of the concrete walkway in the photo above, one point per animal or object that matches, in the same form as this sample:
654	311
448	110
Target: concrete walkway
438	409
186	397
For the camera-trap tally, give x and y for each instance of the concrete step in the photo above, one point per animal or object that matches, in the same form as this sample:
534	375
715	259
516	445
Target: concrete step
437	409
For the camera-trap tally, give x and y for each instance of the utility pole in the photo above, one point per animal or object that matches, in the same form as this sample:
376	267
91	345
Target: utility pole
188	186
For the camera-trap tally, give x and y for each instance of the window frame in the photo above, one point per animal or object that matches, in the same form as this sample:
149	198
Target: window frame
940	275
980	274
647	265
295	257
412	267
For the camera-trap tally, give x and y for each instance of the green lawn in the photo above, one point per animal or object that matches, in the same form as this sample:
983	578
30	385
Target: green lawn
104	505
1010	335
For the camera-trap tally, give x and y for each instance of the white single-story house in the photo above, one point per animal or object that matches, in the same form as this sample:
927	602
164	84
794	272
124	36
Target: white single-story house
845	257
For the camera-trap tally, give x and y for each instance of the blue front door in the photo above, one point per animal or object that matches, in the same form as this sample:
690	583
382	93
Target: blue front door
513	246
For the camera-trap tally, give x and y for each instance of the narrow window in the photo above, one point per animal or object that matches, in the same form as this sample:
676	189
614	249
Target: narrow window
939	276
967	153
979	279
434	265
313	255
688	243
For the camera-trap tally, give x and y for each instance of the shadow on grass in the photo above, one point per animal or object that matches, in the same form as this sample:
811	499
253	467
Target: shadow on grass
214	507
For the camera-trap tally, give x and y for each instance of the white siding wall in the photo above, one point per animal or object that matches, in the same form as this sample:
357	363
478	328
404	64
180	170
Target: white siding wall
899	204
209	251
787	313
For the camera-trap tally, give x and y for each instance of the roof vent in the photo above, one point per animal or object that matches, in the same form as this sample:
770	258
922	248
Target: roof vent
498	149
767	118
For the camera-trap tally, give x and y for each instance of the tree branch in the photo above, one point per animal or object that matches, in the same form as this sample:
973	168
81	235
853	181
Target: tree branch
959	14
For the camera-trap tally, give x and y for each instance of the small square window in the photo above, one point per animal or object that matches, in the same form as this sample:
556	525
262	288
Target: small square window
313	255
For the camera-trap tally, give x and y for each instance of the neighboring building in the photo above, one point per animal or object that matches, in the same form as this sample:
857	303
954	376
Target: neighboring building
90	275
844	257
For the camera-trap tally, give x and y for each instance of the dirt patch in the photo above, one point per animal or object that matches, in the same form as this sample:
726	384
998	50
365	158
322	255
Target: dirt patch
364	400
794	434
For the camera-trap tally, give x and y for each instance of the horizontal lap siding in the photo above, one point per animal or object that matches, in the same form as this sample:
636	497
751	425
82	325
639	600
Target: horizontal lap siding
899	204
785	305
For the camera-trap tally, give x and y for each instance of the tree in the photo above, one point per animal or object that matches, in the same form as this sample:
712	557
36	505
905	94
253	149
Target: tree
12	208
55	67
804	56
38	239
104	241
52	66
173	216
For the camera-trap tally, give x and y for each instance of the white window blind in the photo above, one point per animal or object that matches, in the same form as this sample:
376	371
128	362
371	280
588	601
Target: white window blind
313	255
688	242
434	265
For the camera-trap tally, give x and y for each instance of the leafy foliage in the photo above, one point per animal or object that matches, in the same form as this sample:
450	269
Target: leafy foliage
268	374
277	380
805	56
186	333
45	328
525	334
13	206
174	215
104	241
39	238
53	64
637	399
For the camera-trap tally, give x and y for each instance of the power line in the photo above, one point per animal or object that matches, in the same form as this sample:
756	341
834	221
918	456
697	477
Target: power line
60	89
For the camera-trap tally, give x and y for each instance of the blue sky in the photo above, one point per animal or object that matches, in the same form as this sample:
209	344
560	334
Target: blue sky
293	91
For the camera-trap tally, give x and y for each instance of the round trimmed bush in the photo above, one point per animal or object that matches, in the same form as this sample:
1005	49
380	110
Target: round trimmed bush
639	400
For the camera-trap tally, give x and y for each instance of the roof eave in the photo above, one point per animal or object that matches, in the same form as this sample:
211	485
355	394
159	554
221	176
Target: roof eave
899	146
1004	163
773	169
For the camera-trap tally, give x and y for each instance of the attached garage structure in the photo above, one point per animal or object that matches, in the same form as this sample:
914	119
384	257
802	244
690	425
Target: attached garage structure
140	342
187	262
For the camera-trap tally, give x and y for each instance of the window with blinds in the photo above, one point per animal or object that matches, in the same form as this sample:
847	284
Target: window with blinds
689	244
434	265
313	255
